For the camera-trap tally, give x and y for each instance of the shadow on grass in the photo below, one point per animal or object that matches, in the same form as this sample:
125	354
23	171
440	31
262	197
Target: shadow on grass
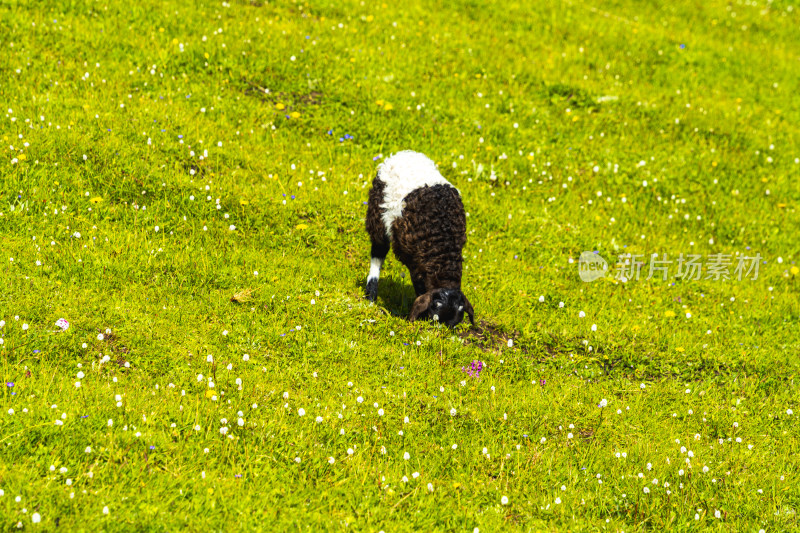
394	295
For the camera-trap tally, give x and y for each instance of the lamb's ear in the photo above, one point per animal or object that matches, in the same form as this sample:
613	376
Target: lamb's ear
421	305
469	310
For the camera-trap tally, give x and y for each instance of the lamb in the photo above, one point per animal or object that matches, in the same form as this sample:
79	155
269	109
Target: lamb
413	208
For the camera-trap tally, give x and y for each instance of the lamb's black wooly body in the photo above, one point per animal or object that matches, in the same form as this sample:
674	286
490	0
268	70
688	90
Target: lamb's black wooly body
414	209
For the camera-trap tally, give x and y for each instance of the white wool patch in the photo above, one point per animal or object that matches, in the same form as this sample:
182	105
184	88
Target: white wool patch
403	173
375	265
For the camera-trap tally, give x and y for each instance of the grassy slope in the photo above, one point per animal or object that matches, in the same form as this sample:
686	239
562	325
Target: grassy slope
704	96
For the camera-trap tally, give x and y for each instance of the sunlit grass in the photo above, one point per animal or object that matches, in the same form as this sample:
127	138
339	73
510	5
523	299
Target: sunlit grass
185	185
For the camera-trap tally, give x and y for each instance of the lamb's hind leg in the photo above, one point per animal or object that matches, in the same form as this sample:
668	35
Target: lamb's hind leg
378	237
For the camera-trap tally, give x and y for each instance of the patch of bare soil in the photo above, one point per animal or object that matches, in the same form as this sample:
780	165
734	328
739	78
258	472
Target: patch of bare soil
291	100
115	349
488	336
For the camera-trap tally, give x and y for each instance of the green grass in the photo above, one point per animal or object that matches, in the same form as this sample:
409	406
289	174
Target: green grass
531	110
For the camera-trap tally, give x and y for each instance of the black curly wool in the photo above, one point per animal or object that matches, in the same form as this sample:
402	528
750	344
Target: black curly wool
375	227
427	239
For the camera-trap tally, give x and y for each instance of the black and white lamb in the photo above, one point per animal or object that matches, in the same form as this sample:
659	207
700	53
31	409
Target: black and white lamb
413	208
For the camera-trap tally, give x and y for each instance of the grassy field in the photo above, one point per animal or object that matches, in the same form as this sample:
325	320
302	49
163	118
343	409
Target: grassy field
185	184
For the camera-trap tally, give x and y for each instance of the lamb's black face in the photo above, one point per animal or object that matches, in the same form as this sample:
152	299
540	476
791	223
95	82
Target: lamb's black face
448	307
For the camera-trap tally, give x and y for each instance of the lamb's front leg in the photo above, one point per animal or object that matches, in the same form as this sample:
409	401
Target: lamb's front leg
378	255
378	236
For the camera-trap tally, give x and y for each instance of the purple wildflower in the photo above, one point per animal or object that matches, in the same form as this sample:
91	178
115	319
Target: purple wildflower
474	369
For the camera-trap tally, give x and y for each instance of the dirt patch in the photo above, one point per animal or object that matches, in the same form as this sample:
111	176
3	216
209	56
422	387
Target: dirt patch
573	96
488	336
291	100
199	171
113	347
310	98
